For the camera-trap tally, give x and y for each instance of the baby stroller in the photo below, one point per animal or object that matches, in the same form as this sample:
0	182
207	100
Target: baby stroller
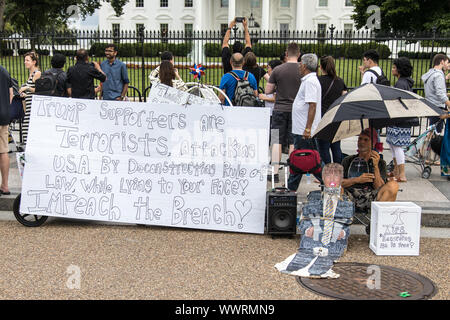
418	152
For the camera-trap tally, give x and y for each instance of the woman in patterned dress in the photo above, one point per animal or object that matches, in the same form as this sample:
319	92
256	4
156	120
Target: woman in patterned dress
399	136
31	61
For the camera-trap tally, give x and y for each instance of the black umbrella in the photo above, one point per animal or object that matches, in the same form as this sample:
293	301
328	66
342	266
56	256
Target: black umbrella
371	105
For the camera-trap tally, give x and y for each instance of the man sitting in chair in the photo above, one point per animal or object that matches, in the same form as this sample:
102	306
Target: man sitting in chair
365	175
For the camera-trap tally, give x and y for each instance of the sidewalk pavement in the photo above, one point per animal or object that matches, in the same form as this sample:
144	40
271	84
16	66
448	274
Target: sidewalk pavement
432	195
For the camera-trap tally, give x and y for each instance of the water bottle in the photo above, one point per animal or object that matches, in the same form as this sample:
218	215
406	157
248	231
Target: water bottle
308	178
299	216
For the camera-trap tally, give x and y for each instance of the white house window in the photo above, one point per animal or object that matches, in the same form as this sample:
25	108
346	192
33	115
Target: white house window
323	3
224	3
188	29
116	29
164	28
188	3
164	3
285	3
348	27
255	3
349	3
223	28
139	26
321	29
139	3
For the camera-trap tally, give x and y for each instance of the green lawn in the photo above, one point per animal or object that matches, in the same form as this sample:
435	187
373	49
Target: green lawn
347	69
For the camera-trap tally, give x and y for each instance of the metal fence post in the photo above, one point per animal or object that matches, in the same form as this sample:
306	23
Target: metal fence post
142	39
432	46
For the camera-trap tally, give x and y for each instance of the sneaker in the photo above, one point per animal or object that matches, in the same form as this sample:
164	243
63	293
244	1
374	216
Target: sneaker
276	178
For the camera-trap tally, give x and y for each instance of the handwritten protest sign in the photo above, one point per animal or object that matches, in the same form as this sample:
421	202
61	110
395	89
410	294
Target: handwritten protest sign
395	228
161	164
160	93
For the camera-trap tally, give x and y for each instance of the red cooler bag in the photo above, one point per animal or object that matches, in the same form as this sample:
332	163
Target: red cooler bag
304	161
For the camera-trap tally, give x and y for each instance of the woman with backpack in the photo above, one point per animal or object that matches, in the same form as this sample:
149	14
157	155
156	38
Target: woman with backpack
332	88
399	136
31	61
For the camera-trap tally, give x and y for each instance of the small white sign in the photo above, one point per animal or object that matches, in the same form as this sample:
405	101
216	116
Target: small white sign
395	228
160	93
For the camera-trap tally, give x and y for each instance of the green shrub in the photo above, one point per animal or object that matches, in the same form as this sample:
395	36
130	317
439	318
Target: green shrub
269	49
382	49
4	51
213	50
416	55
353	51
98	49
67	53
126	50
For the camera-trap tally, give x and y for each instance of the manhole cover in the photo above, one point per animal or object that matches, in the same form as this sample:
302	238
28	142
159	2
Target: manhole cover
353	283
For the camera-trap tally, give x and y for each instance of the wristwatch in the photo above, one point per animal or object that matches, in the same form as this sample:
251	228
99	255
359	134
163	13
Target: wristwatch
308	130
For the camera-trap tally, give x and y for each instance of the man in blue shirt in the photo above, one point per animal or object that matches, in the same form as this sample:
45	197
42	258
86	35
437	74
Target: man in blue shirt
228	82
116	85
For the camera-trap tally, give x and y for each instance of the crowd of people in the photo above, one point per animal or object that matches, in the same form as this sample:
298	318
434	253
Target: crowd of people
299	90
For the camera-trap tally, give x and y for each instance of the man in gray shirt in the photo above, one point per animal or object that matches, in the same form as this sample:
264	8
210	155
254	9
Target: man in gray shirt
285	82
434	85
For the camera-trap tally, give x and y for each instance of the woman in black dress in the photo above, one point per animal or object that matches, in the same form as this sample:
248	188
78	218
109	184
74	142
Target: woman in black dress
332	88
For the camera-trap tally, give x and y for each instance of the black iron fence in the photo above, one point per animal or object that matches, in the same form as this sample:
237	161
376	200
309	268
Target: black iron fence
140	50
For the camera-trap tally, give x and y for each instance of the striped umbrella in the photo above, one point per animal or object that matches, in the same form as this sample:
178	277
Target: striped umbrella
371	105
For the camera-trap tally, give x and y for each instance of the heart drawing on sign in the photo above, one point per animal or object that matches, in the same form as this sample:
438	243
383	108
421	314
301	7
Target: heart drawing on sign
243	208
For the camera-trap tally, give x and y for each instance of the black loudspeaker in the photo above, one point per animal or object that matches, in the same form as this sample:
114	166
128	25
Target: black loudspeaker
281	213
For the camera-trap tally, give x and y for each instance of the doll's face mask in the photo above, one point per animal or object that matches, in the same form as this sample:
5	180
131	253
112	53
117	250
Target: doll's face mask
332	178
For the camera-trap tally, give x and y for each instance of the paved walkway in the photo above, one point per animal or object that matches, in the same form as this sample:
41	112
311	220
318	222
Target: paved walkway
132	262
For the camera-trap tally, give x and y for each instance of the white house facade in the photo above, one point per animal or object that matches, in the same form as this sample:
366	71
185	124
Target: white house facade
188	15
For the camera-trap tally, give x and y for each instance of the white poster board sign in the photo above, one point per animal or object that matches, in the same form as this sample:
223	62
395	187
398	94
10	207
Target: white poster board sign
395	228
198	167
160	93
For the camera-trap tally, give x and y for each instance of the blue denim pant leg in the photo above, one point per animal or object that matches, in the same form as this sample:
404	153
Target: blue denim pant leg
300	143
324	150
336	151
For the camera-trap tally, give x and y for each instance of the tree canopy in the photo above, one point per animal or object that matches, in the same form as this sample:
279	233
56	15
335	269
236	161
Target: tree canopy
48	15
405	15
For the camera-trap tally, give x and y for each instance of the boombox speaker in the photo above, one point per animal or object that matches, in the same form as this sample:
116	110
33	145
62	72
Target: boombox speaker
281	212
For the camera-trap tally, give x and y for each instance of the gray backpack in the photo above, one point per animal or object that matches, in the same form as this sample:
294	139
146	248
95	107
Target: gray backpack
244	93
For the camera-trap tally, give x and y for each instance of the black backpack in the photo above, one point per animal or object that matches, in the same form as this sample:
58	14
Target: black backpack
244	93
47	84
381	79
